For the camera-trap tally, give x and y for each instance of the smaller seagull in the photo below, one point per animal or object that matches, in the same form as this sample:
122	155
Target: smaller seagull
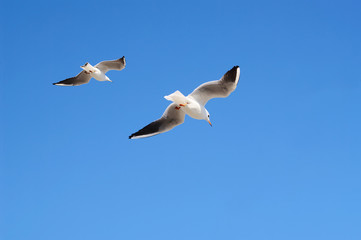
98	72
193	104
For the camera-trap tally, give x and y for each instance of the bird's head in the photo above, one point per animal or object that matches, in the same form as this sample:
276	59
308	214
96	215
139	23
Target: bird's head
206	117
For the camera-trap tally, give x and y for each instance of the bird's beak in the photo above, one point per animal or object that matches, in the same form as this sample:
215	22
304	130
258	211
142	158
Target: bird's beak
110	80
209	122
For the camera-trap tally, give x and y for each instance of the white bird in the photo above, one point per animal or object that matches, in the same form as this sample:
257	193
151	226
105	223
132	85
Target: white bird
98	72
193	104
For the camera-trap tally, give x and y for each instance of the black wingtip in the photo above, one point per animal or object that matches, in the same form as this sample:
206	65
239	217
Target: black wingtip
54	83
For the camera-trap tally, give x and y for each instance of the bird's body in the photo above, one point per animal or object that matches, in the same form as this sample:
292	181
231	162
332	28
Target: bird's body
187	104
95	73
194	109
98	72
193	104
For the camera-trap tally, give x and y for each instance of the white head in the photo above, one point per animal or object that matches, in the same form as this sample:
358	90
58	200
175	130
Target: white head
206	116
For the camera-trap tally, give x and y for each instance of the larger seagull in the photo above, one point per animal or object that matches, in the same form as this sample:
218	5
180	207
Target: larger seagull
98	72
193	104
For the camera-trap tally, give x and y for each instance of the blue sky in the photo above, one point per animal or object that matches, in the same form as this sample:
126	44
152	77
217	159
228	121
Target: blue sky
282	160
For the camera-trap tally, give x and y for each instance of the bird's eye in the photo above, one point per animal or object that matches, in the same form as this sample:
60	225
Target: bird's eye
208	115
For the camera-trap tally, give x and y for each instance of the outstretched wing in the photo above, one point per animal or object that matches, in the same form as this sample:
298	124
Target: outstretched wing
217	89
79	79
105	66
171	117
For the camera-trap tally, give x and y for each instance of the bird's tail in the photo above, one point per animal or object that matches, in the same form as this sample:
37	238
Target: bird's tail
176	97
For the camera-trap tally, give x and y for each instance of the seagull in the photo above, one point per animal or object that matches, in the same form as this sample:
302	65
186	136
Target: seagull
98	72
193	104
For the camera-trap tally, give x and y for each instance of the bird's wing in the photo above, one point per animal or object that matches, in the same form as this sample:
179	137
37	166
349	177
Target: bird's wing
217	89
79	79
171	117
105	66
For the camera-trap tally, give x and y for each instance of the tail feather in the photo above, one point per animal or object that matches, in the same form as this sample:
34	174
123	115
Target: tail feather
176	97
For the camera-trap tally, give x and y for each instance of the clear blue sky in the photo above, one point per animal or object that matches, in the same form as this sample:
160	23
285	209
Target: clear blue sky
282	161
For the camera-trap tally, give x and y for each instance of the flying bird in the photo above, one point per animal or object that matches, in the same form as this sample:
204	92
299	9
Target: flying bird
193	104
98	72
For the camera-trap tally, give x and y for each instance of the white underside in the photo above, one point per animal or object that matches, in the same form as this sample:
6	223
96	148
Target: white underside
95	73
192	107
99	76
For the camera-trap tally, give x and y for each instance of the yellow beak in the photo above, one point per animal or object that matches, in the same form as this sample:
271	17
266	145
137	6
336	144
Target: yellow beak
209	122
